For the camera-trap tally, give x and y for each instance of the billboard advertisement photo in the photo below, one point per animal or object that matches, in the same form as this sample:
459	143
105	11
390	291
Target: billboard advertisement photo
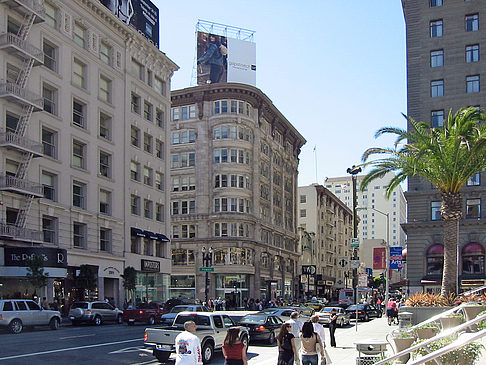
142	15
225	59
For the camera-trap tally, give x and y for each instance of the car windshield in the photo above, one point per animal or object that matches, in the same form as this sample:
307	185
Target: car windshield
253	319
269	311
327	309
178	309
353	307
146	306
198	319
79	305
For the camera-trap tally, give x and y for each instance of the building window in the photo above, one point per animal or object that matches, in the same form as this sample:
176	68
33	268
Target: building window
50	55
148	208
147	142
135	136
11	122
49	229
49	185
436	28
139	70
105	164
473	208
50	15
472	22
105	126
435	259
105	239
434	3
472	53
135	103
183	137
159	181
49	142
473	259
159	212
13	73
437	58
79	235
79	150
105	202
49	94
147	247
79	73
303	213
134	171
159	149
79	194
79	113
437	118
160	118
105	51
175	114
148	111
436	88
147	176
135	245
474	180
159	85
79	35
472	84
135	204
105	89
435	211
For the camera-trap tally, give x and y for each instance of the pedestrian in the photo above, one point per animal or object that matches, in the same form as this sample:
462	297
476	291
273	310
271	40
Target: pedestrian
332	326
234	351
45	303
391	310
287	352
318	328
188	346
296	327
310	340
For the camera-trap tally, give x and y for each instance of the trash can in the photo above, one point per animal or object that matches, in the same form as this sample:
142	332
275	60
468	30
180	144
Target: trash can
370	351
404	319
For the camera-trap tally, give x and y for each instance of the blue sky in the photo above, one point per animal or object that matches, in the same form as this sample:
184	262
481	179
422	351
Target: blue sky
335	68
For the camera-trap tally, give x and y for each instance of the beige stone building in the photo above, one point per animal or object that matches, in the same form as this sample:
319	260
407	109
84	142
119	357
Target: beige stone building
326	226
83	147
234	160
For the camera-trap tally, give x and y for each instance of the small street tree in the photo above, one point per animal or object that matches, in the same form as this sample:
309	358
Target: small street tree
87	278
129	280
35	272
447	157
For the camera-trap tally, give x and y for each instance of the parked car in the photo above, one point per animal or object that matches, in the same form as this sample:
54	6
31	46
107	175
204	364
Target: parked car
365	311
262	326
168	318
315	305
94	312
15	314
343	316
149	313
301	309
282	313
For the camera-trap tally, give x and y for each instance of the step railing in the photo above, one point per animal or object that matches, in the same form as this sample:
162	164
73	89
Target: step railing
462	340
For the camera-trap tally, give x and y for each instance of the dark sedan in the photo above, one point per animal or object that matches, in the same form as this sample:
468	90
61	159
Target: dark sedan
264	327
365	311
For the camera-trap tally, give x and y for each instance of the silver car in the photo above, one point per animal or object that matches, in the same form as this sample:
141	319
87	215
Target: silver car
94	312
343	318
15	314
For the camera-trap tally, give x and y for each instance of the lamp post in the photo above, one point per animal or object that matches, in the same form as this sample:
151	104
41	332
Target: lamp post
208	259
387	254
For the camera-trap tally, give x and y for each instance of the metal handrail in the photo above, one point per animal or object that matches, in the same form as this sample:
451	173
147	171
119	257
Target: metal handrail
13	182
13	39
14	138
12	88
439	336
11	230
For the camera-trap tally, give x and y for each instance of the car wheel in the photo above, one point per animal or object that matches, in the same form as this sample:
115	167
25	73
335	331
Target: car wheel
161	356
366	317
151	321
244	341
54	323
15	326
130	323
271	339
207	351
97	321
119	319
341	323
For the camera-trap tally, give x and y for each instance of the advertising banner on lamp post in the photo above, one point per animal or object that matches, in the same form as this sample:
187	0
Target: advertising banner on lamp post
396	262
379	258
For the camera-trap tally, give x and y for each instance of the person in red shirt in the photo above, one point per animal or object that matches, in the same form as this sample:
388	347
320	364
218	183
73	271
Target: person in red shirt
391	310
234	350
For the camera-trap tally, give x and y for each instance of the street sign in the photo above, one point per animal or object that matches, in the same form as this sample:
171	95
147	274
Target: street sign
339	283
369	271
363	280
343	262
355	264
354	242
206	269
309	269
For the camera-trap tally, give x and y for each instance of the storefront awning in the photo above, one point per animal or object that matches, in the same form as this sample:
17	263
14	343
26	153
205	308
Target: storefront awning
150	235
162	238
136	232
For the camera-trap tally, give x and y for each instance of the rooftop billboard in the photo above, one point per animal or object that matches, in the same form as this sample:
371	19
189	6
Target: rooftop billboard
142	15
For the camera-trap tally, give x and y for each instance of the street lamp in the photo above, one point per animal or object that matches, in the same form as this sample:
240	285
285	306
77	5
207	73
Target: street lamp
387	254
208	260
353	171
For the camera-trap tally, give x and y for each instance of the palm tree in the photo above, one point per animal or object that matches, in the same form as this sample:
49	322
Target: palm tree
446	156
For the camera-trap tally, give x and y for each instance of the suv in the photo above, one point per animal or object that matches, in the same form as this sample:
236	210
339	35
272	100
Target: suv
94	312
17	313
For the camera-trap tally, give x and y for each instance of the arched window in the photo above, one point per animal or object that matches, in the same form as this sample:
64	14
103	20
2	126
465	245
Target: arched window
435	259
473	259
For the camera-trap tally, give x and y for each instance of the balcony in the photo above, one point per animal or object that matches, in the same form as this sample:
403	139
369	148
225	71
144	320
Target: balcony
14	45
20	186
27	7
12	232
16	94
22	144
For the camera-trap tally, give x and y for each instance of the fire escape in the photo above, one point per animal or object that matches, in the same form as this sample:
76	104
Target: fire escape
15	91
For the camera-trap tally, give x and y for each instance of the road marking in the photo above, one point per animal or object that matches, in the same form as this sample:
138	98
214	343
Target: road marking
128	349
67	349
63	338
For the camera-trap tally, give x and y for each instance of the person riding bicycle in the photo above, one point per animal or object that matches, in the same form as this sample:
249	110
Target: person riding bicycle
391	310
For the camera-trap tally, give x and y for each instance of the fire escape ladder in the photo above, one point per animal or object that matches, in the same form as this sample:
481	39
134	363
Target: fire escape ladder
24	211
25	73
26	26
24	120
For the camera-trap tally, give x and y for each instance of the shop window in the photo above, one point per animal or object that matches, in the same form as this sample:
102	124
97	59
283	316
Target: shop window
473	208
435	259
473	259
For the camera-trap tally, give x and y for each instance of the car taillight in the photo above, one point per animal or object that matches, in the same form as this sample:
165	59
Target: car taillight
260	328
340	302
88	311
140	312
1	317
359	312
145	336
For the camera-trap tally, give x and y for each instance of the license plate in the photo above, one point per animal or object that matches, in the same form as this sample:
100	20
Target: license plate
131	320
71	317
164	347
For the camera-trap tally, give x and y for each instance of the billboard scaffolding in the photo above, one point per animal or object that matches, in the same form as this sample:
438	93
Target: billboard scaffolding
223	54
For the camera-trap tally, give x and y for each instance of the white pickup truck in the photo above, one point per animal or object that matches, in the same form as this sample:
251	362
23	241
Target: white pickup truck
211	330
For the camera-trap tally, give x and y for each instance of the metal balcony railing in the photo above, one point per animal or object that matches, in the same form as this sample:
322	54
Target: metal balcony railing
20	95
12	139
26	7
12	41
22	186
21	234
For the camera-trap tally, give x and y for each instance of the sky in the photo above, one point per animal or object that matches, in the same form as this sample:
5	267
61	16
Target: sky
336	69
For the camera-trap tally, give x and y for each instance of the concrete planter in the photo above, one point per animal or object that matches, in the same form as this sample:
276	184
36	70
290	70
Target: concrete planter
449	322
420	314
470	312
425	333
403	344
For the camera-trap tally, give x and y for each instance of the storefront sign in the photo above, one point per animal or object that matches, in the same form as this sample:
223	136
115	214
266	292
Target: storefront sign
18	256
150	266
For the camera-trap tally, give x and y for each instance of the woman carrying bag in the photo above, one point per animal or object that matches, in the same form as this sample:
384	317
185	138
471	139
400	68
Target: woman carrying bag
234	350
287	351
309	341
